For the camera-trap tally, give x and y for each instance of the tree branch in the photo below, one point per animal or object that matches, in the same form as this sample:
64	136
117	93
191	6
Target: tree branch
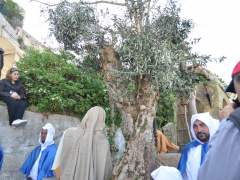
106	2
46	4
95	2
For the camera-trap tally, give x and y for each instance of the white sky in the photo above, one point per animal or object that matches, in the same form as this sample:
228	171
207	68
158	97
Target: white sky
216	22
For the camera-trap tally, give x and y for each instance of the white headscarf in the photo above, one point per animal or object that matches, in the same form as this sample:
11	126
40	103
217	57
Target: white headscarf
166	173
207	119
50	135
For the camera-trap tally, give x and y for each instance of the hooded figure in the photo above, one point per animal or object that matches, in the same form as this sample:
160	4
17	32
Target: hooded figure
166	173
39	163
223	160
203	127
84	152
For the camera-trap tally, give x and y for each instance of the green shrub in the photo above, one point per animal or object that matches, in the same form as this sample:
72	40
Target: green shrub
165	109
55	85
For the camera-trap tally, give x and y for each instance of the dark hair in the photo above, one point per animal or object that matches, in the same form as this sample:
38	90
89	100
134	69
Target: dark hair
9	72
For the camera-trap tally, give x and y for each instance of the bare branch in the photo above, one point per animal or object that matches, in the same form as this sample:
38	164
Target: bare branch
95	2
47	4
105	2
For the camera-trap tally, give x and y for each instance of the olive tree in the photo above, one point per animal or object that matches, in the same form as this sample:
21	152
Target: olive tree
148	53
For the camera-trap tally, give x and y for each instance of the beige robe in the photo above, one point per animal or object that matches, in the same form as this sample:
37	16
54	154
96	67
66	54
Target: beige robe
84	152
164	145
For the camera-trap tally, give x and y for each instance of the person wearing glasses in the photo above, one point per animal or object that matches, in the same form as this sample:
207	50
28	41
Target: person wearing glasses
13	93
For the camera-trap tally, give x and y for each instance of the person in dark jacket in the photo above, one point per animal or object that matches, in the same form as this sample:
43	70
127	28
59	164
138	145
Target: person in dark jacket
12	92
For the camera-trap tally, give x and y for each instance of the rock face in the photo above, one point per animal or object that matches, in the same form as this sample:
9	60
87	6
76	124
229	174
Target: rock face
18	142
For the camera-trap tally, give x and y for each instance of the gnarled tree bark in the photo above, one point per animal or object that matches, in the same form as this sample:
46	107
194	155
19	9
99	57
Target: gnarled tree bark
138	113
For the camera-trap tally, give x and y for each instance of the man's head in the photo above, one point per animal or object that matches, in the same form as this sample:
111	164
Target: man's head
203	126
46	135
201	131
43	135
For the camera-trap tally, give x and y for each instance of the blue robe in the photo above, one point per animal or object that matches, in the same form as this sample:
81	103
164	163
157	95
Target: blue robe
182	165
45	162
1	157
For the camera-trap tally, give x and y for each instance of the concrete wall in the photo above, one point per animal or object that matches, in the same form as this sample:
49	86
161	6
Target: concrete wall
10	45
18	142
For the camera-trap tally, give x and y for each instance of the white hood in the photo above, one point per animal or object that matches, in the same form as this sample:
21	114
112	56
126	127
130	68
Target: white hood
207	119
166	173
50	135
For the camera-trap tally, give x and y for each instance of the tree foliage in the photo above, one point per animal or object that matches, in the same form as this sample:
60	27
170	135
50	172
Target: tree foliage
80	21
165	109
150	42
12	12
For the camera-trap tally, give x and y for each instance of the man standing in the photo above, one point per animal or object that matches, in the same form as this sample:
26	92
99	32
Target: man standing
223	160
39	163
203	126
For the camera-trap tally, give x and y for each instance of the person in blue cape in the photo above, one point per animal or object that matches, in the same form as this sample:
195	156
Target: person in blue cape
203	127
1	157
39	163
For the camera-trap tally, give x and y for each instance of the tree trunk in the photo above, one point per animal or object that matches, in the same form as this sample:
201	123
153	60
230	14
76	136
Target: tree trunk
138	112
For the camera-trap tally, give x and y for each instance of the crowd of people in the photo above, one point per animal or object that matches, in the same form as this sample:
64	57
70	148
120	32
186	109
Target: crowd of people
84	151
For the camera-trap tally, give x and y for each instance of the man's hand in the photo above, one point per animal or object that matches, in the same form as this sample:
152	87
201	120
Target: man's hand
15	95
226	111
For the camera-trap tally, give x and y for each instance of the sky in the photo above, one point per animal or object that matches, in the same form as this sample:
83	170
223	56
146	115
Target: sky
216	22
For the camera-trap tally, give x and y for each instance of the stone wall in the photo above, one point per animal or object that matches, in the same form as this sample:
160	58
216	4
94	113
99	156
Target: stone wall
18	142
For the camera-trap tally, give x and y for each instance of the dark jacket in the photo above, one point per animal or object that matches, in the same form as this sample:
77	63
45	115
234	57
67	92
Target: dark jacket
7	87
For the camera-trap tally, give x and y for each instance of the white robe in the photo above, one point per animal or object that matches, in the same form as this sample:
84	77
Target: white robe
193	163
34	170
